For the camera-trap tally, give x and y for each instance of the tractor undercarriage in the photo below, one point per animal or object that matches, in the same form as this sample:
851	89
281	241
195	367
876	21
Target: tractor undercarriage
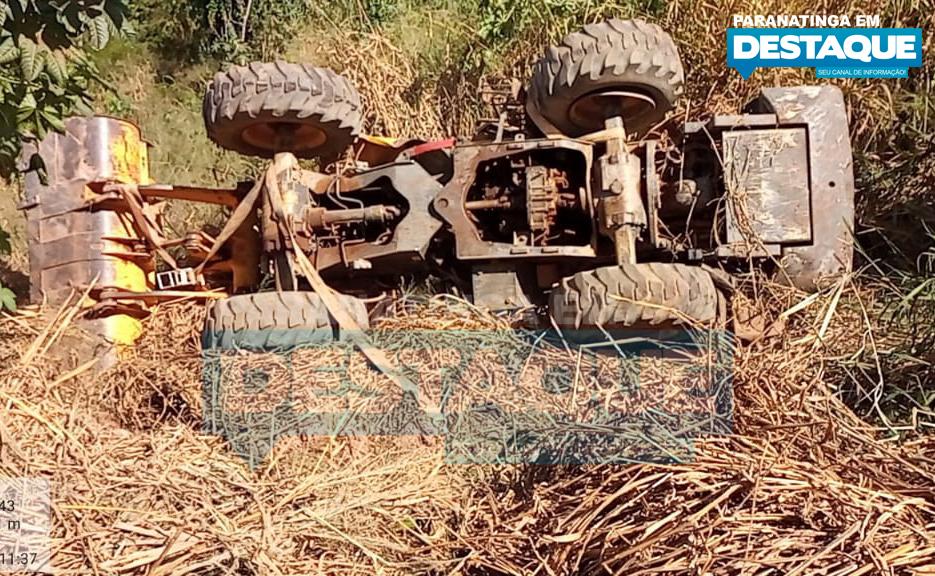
532	212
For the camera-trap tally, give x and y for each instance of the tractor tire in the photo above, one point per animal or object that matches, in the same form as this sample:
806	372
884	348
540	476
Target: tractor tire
273	321
246	107
633	295
627	68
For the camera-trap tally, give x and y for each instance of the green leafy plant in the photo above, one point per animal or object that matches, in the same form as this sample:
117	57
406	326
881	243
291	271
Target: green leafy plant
7	297
44	69
187	31
379	12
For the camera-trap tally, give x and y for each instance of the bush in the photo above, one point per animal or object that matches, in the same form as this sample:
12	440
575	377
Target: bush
44	69
189	31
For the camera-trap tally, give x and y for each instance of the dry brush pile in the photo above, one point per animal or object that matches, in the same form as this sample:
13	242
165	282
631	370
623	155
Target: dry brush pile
802	486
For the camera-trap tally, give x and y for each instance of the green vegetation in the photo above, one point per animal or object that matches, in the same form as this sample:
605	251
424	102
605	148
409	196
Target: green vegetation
889	376
7	297
44	70
45	76
418	63
187	31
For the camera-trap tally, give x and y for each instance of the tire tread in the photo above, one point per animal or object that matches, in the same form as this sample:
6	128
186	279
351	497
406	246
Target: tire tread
269	321
631	52
636	294
280	91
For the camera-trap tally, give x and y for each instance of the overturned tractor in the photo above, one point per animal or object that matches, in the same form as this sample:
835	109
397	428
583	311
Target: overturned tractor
577	200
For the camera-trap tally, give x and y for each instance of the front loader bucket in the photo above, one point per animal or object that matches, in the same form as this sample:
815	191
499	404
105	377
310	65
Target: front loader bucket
75	238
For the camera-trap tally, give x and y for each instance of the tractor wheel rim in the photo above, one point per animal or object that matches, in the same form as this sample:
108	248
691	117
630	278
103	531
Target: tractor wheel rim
267	135
589	111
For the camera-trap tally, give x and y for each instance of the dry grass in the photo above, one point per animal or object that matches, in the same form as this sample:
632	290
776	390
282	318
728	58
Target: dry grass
398	101
803	486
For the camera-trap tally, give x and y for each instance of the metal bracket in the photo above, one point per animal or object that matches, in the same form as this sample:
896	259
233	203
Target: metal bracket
172	279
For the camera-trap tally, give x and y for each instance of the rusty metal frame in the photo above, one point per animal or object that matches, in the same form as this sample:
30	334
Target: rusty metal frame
411	236
450	203
820	111
831	176
653	195
222	196
73	235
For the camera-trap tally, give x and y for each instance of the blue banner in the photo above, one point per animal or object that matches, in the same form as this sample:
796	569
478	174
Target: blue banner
833	52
